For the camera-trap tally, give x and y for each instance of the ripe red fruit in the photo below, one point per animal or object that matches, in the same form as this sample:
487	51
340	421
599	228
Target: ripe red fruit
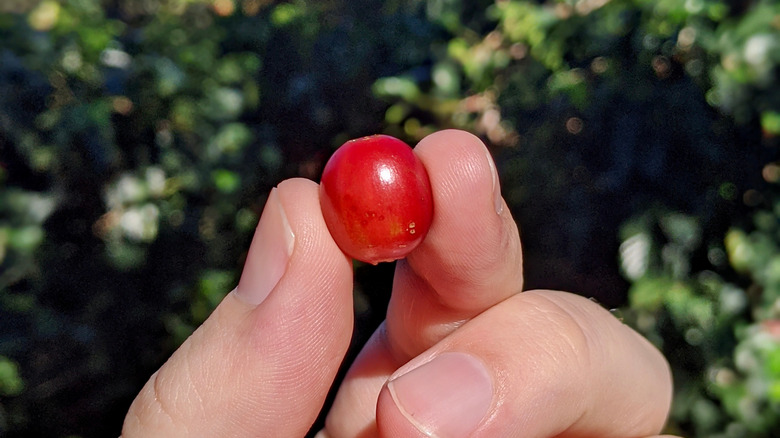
376	198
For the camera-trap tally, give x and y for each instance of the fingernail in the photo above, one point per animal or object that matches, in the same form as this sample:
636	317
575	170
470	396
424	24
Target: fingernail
269	253
446	397
498	201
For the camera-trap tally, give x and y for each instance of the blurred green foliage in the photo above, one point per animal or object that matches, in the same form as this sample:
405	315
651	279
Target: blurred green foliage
637	143
659	119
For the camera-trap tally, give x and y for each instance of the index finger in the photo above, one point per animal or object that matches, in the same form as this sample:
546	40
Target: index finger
471	258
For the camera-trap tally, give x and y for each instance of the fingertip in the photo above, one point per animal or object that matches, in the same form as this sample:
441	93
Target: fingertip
317	257
317	283
473	243
291	235
451	136
269	254
460	167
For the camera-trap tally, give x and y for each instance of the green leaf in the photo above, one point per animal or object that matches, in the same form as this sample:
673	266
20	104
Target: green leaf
397	86
11	383
770	122
225	180
649	293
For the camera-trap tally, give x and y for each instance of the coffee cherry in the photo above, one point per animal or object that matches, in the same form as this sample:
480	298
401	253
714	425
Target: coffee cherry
376	198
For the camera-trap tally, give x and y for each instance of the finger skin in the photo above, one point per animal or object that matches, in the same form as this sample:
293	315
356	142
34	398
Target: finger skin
265	370
561	365
470	260
471	257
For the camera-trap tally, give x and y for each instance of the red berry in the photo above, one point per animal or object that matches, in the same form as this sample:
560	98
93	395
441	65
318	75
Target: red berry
376	198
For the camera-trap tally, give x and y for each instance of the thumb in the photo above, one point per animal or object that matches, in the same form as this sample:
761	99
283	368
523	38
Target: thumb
263	362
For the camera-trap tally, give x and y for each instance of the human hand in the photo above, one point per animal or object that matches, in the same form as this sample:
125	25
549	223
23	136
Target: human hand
462	352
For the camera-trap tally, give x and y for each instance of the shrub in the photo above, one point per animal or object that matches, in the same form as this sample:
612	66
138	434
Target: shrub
138	140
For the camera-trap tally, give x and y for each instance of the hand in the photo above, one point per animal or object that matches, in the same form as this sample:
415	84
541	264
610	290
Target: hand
462	352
